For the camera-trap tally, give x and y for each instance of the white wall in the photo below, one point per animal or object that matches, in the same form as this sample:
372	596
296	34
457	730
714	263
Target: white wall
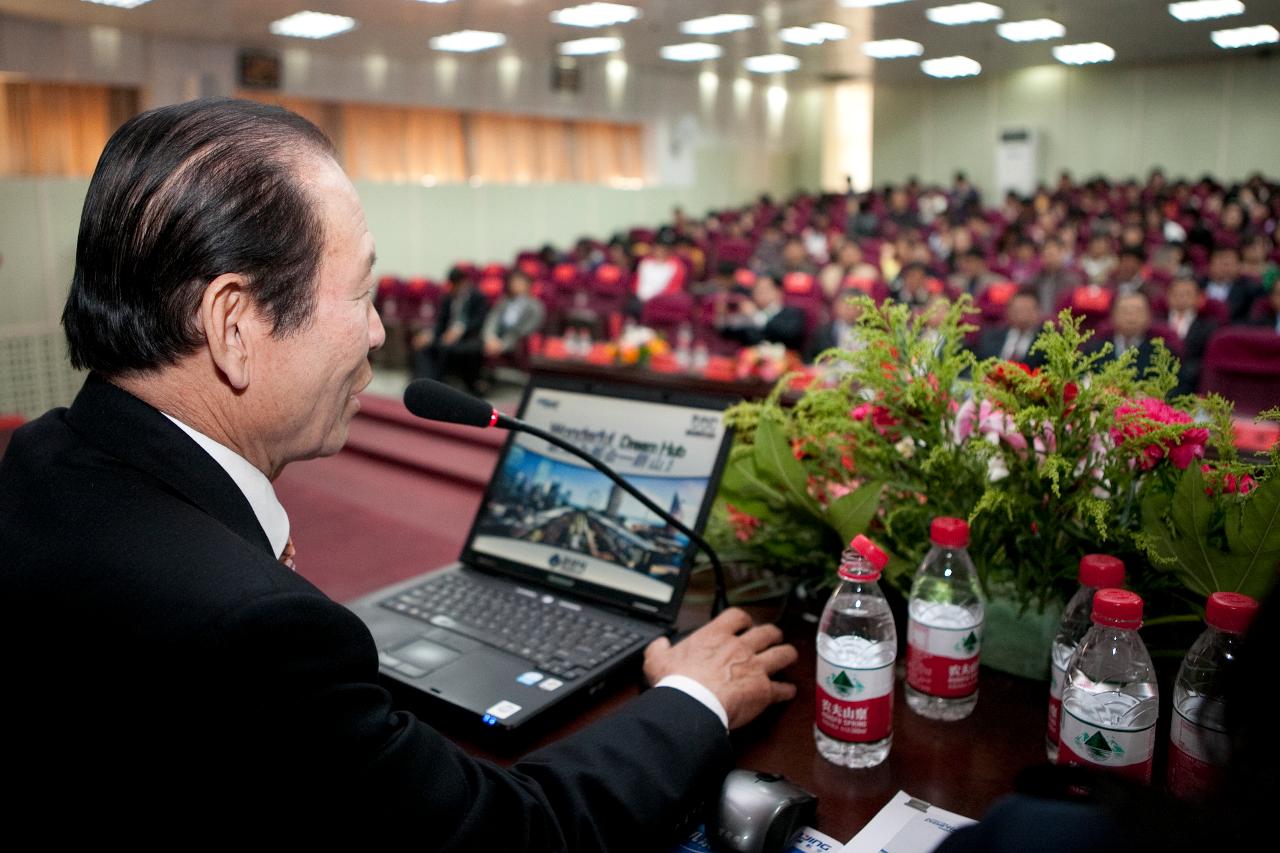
1217	117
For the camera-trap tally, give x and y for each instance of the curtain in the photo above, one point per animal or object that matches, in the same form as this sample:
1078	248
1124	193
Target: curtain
58	129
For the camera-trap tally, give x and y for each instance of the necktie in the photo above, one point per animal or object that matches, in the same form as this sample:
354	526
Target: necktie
286	556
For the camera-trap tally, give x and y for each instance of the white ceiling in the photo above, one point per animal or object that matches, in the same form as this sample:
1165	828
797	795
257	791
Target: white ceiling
1140	30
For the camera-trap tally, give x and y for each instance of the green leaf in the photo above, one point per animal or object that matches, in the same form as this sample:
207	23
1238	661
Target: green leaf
1190	513
851	513
1253	535
741	486
778	467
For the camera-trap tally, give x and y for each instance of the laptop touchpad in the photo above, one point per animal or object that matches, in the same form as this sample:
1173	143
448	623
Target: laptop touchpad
425	654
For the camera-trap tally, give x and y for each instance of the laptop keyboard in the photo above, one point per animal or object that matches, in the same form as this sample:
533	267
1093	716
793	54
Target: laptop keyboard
560	639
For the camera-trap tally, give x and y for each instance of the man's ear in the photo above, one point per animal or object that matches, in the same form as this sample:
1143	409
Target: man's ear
227	318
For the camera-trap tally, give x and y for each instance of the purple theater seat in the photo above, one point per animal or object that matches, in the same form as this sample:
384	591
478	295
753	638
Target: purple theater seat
1243	365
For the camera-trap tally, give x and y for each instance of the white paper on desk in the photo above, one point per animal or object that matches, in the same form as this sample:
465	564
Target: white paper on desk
906	825
808	841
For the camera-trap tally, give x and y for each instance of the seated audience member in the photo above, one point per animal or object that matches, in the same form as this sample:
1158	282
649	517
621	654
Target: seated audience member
660	271
972	276
963	200
1191	328
901	215
1023	264
913	286
516	315
1224	284
842	331
452	347
1255	260
1131	328
765	318
831	277
695	260
1127	276
767	258
794	259
1012	341
1056	277
1098	260
1270	315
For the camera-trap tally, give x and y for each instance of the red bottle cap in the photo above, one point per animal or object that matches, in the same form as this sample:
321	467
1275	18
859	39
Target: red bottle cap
1230	612
1101	571
868	571
1117	608
949	532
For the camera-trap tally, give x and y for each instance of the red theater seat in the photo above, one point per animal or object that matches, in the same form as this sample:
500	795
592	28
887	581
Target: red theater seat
1243	364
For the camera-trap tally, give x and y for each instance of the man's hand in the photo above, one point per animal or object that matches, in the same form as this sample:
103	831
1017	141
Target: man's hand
492	347
730	658
422	339
453	334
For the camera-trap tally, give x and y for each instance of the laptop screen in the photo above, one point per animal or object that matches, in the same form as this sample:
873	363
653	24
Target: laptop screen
550	513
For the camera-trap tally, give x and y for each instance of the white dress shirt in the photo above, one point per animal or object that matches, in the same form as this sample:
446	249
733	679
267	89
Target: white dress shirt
261	495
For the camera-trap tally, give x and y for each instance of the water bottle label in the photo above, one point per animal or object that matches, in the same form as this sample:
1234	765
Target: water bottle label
1126	752
854	705
1057	677
943	661
1196	757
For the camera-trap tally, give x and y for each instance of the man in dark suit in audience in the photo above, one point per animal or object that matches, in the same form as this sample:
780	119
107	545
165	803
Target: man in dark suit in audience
1131	330
1191	328
1056	278
453	346
170	673
1013	340
765	318
842	331
1224	284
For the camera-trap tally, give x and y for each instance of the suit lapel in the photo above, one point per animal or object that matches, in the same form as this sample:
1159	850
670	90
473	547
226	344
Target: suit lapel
125	427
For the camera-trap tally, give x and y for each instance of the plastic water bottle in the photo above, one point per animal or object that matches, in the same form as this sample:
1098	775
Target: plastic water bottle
1110	702
857	644
1199	745
944	634
1097	571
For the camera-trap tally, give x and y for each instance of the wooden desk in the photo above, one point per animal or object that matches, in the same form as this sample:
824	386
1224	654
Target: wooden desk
963	767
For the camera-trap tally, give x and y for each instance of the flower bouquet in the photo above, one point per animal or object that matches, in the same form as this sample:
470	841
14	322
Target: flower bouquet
1081	455
637	346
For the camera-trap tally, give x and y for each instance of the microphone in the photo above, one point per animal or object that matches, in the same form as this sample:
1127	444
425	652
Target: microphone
436	401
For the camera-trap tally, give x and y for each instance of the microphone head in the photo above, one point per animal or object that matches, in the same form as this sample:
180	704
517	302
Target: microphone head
436	401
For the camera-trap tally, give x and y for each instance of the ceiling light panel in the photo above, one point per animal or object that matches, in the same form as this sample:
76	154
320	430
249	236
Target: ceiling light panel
864	4
951	66
1036	30
964	13
892	48
1205	10
119	4
1246	36
829	31
694	51
717	24
468	41
590	46
771	63
595	15
1084	54
312	25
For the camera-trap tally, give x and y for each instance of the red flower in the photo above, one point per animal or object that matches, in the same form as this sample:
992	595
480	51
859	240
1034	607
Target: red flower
1134	420
744	525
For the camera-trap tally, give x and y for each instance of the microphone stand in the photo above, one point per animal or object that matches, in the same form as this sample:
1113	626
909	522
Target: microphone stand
721	598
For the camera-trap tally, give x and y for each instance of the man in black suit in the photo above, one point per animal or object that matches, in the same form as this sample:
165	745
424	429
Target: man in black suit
1192	329
1013	340
1131	328
765	318
842	331
454	346
1224	284
167	671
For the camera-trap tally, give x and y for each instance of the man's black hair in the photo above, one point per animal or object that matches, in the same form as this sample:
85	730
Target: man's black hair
181	195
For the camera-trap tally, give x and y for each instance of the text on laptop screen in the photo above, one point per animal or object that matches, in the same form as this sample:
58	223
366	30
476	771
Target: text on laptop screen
548	509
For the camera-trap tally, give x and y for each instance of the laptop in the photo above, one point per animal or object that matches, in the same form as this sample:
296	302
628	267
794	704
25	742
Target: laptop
564	576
